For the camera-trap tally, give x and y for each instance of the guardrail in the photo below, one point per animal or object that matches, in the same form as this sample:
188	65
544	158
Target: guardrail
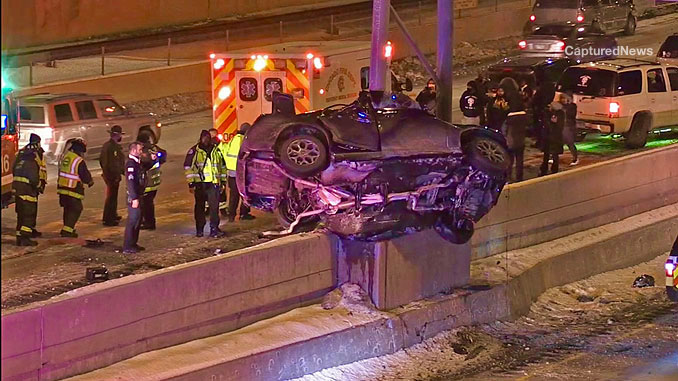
98	325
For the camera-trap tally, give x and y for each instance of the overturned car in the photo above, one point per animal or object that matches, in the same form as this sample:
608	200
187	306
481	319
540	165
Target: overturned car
372	169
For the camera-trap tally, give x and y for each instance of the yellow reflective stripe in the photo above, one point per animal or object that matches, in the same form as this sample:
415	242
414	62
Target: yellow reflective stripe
21	179
69	193
151	189
26	229
68	229
28	198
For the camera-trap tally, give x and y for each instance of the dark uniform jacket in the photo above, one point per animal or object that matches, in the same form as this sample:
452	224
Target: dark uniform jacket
136	181
555	122
26	172
469	104
112	160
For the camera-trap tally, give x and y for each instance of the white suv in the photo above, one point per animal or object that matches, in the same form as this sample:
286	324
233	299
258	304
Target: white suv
623	96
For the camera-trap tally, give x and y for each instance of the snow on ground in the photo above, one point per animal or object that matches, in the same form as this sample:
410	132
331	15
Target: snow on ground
599	317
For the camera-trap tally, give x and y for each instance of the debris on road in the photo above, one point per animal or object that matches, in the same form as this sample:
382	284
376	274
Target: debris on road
644	281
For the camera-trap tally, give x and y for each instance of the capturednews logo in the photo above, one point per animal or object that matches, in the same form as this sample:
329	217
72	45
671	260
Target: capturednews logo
608	52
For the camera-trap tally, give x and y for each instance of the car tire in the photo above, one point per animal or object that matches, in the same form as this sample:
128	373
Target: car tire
150	134
303	154
456	232
488	155
640	127
630	27
580	137
672	293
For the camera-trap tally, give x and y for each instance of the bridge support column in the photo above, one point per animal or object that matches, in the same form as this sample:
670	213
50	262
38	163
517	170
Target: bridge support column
402	270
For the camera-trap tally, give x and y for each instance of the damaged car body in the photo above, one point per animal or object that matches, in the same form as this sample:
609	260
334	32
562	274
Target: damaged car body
371	170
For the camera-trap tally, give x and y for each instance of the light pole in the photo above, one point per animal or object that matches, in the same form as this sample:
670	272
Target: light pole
445	52
378	64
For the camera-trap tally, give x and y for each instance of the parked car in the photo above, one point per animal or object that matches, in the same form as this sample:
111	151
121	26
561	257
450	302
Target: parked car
372	170
623	96
59	117
581	43
608	15
534	70
668	52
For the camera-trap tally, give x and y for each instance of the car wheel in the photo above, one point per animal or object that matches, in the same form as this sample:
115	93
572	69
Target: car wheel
672	293
630	27
580	137
640	127
488	155
150	134
303	155
456	232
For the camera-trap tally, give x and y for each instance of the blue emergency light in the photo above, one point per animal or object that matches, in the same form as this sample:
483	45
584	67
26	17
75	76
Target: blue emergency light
4	122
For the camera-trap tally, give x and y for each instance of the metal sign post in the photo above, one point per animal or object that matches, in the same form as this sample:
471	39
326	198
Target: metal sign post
445	52
378	64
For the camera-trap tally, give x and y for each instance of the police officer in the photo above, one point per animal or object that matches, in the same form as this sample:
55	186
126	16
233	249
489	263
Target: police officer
231	166
152	158
206	173
30	177
112	162
135	190
73	173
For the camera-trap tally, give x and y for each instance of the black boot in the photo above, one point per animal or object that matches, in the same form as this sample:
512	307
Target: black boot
36	234
216	233
25	241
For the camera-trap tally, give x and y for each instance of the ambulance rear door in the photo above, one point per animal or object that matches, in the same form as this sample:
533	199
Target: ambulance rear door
254	93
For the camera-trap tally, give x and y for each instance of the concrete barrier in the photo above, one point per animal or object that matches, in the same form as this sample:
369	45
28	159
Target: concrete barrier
102	324
547	208
312	338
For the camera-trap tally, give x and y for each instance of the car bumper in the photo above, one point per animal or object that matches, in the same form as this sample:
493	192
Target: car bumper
604	126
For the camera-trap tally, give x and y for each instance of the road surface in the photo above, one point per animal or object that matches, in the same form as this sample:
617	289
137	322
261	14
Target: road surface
58	264
600	328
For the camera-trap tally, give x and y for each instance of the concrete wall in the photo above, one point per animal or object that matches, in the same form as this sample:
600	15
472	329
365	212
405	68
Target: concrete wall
125	87
401	270
40	22
99	325
543	209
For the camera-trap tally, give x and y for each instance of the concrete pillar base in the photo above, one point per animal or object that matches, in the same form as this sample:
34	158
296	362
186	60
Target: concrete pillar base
402	270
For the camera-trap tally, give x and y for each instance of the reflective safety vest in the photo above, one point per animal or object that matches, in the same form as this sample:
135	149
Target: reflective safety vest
204	168
69	182
153	178
232	154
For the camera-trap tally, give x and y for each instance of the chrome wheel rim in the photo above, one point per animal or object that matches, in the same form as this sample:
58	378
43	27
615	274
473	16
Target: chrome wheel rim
491	151
303	152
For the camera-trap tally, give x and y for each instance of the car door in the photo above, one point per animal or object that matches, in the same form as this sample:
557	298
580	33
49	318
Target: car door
607	14
659	97
97	134
672	73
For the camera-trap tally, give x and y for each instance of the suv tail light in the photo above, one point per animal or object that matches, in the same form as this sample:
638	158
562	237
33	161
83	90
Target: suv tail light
560	45
670	267
532	18
580	17
614	109
522	44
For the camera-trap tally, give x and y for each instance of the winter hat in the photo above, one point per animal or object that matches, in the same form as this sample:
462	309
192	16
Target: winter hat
205	133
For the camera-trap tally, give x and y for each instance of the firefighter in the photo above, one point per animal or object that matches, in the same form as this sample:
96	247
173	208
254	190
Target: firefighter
112	162
231	165
30	177
135	190
152	158
205	171
73	174
221	142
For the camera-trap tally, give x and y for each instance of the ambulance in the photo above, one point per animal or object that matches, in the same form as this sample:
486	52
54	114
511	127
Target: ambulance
317	74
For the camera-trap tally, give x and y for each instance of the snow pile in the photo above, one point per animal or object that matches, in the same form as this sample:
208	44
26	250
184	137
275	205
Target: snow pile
351	297
185	103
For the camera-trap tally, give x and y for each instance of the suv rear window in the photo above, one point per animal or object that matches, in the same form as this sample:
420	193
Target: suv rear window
63	113
32	114
588	81
673	77
567	4
669	48
630	82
